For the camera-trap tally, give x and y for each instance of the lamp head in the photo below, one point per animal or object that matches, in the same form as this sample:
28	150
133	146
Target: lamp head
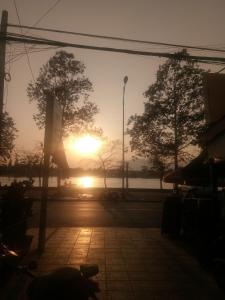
125	79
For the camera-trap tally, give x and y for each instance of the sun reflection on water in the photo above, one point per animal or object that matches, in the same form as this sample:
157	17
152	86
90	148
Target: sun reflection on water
86	182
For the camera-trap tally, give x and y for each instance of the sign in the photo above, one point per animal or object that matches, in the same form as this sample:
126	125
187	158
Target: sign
216	148
214	96
56	126
53	138
214	139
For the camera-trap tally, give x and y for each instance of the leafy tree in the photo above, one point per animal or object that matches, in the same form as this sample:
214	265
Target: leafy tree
173	117
7	137
32	161
158	165
62	77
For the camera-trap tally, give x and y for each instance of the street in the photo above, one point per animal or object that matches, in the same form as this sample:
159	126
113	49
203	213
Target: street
99	213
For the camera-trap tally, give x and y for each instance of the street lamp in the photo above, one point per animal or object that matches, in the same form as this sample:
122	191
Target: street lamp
123	149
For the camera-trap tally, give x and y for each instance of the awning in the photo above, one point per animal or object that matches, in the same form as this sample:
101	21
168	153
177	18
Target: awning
198	172
174	177
195	173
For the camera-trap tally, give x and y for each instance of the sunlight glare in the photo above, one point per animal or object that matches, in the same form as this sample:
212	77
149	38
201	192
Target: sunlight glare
86	182
87	144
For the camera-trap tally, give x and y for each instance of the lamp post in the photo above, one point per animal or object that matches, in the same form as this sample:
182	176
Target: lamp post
123	148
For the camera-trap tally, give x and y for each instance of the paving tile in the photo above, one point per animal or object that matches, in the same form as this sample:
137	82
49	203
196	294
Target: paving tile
95	260
77	260
117	275
121	295
120	267
134	267
118	285
79	252
101	276
114	261
134	263
139	275
102	285
80	247
96	251
104	295
96	245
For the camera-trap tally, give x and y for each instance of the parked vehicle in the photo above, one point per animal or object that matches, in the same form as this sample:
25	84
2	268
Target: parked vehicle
19	283
16	208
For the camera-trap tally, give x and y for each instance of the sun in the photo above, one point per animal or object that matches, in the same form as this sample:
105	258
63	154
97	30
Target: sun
87	144
86	182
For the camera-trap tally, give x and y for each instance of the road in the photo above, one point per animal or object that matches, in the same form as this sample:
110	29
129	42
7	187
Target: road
100	213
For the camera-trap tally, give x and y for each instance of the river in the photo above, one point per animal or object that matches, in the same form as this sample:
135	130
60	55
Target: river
93	181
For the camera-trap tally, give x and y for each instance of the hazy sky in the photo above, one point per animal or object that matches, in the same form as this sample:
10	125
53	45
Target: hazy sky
193	22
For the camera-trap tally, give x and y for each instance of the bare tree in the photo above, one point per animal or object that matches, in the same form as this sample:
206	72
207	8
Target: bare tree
108	157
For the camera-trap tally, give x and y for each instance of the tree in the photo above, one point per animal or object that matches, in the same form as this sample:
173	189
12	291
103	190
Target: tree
7	137
32	161
108	156
62	77
158	165
173	117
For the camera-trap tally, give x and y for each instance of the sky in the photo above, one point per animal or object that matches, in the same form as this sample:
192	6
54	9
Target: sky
193	22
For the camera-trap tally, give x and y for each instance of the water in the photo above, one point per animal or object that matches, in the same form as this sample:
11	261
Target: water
93	181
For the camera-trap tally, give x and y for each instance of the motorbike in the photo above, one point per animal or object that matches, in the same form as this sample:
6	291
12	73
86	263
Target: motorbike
18	281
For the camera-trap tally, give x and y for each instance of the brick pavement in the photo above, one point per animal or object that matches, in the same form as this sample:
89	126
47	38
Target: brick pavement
135	264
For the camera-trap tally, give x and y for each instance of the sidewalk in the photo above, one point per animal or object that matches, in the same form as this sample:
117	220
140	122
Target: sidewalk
135	264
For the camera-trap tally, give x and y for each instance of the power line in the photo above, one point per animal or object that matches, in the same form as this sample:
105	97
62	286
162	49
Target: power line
43	16
118	38
20	55
38	21
46	13
31	40
7	84
28	58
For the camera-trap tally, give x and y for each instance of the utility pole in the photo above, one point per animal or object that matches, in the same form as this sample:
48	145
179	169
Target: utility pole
123	140
47	154
127	175
2	55
3	31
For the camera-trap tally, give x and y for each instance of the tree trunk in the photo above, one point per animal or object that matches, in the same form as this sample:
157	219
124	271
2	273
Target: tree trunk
127	175
59	178
160	181
161	177
39	181
105	178
175	140
40	172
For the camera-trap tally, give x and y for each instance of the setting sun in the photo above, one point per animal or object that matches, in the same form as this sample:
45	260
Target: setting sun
87	144
86	182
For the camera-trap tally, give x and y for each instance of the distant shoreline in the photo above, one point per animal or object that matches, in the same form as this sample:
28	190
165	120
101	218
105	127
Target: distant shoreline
94	182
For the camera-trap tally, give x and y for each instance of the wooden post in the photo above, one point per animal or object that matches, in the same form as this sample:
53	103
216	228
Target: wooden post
127	175
3	31
2	55
123	140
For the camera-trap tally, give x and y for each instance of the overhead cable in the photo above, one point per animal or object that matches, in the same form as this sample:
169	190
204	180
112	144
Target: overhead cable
118	38
46	13
31	40
28	58
43	16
